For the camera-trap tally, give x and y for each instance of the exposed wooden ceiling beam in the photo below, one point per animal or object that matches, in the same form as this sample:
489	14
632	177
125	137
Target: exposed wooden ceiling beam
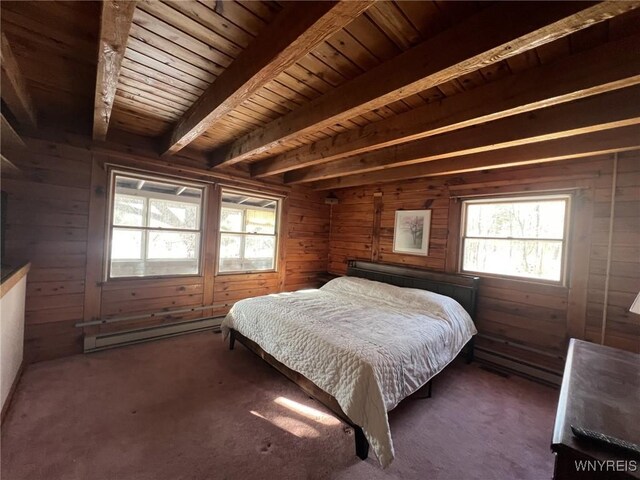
292	35
602	112
608	67
488	37
7	165
604	142
115	24
14	88
8	135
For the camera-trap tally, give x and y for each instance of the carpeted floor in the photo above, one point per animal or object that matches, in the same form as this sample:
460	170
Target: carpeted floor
188	408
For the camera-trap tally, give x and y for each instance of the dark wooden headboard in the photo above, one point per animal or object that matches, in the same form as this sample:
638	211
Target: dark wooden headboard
462	288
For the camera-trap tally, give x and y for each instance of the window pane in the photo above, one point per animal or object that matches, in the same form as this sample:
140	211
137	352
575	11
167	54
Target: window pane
128	210
261	221
247	216
147	202
522	258
530	219
126	244
172	214
231	220
173	245
230	253
230	246
259	247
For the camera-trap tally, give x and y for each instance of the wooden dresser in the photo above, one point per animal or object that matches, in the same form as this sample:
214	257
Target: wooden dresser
600	392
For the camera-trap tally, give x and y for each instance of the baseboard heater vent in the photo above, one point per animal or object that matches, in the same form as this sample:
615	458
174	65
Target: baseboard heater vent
102	341
511	365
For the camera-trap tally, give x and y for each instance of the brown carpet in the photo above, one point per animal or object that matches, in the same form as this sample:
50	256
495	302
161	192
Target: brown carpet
187	408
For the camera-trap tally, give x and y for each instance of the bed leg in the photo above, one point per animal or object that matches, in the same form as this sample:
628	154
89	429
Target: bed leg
232	339
429	385
470	345
362	445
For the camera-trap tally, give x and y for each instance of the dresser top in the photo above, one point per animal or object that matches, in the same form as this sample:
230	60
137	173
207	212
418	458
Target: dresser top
601	392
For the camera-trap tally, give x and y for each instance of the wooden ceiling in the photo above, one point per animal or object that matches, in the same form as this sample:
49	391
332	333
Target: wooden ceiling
335	94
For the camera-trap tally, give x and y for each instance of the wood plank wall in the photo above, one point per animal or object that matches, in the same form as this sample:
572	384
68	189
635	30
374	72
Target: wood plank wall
530	322
49	223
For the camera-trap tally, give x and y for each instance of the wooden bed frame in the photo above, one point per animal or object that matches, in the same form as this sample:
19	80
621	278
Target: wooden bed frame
462	288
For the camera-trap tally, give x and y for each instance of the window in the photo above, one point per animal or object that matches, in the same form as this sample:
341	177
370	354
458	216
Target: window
519	237
248	238
156	227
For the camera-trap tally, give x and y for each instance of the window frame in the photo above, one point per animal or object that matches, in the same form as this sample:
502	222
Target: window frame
112	174
565	240
276	232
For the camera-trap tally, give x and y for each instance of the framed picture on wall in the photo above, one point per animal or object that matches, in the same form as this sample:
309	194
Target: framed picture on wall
411	233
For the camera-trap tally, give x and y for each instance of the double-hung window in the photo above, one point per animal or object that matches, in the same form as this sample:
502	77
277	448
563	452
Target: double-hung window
517	237
248	232
155	227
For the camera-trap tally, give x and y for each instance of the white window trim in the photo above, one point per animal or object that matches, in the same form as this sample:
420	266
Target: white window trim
109	227
567	197
240	206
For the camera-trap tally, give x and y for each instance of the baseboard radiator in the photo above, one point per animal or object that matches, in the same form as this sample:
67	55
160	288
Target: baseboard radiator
103	341
518	367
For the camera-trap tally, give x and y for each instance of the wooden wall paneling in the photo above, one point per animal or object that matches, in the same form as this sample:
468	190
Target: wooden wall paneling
307	239
282	248
579	250
623	327
378	203
453	235
210	247
96	232
47	222
57	219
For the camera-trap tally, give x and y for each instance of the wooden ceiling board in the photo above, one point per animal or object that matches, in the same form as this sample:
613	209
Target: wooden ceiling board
223	51
238	14
215	22
171	62
162	43
560	48
125	120
177	49
184	46
184	80
365	43
141	106
58	38
153	99
159	89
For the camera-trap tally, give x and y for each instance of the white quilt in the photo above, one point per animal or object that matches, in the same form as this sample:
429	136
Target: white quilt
368	344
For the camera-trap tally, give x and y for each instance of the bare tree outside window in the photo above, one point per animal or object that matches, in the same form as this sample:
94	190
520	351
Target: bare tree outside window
520	237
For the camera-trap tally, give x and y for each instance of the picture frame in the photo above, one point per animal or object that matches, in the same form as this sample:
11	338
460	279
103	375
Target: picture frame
411	232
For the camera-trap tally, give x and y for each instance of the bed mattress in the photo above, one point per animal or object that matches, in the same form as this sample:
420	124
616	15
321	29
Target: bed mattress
367	344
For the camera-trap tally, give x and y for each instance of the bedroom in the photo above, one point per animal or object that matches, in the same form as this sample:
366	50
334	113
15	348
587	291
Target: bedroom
470	169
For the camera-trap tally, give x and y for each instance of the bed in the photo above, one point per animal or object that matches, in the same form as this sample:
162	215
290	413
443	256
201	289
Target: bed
364	342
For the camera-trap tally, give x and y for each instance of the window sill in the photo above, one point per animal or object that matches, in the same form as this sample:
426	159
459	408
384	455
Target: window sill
244	272
509	279
156	278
